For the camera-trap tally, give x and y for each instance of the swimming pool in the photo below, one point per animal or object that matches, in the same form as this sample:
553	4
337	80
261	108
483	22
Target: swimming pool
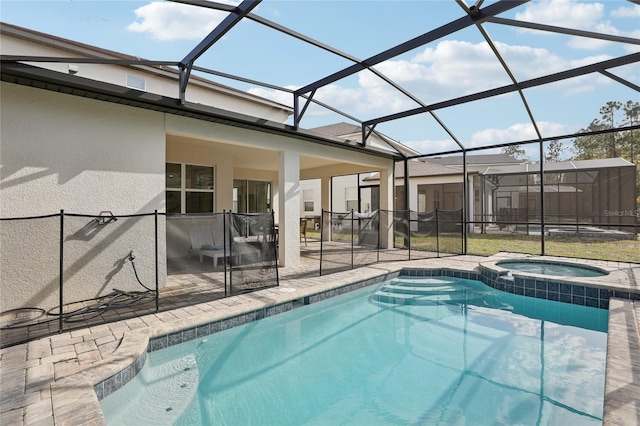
546	267
432	350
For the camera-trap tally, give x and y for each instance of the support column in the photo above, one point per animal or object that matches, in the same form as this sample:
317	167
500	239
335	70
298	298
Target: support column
386	203
325	195
289	209
470	204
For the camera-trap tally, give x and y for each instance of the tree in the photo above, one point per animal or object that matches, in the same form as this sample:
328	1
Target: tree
516	151
554	151
631	141
624	144
614	144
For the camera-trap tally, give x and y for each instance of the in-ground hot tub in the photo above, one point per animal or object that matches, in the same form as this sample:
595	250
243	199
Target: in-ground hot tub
548	267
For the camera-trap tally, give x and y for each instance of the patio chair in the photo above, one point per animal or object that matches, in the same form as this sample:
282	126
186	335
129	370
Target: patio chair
203	244
239	248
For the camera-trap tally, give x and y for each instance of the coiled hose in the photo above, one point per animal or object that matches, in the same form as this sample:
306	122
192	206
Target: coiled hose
114	300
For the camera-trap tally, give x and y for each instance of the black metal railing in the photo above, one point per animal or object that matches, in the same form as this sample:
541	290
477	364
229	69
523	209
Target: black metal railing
66	271
351	239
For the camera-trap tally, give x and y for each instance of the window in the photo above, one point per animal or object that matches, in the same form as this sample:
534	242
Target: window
189	188
436	199
307	198
136	82
351	198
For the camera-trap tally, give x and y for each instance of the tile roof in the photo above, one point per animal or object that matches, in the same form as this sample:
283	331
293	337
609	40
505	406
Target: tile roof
562	166
456	160
338	129
420	169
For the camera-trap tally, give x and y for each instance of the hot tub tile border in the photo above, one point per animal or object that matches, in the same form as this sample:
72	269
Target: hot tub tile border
593	295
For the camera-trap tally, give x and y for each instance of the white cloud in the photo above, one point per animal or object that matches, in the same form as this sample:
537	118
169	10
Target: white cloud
583	16
632	11
174	21
338	97
517	132
429	146
605	27
279	96
448	70
566	13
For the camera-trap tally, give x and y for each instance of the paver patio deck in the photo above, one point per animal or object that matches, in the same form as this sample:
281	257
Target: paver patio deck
50	381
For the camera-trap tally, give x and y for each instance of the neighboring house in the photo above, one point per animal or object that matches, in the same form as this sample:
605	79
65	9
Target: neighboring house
476	164
437	182
349	191
599	192
89	138
431	187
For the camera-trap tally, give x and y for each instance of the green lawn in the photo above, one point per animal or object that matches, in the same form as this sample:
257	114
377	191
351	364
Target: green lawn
588	248
488	244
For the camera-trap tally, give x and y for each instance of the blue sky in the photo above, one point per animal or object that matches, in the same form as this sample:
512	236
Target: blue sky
450	67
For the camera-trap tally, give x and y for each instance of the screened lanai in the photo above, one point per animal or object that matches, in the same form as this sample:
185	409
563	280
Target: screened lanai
419	80
589	197
444	78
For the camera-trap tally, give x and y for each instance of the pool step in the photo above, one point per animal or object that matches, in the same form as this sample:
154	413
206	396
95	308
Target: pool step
424	291
412	289
424	281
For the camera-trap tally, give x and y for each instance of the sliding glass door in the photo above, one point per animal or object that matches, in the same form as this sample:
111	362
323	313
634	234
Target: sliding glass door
250	196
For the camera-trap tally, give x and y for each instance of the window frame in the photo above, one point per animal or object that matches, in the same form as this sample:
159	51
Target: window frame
184	190
308	201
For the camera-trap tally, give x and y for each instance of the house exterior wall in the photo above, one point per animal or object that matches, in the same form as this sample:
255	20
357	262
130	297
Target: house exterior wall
424	181
65	152
158	81
84	156
339	185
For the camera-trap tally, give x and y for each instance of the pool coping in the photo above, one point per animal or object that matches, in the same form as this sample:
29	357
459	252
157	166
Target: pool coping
72	396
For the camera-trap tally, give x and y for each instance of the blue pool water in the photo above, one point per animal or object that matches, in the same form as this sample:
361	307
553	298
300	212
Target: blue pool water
550	268
433	350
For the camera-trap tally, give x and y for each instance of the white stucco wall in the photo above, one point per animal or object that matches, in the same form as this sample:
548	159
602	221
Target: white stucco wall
160	82
85	156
